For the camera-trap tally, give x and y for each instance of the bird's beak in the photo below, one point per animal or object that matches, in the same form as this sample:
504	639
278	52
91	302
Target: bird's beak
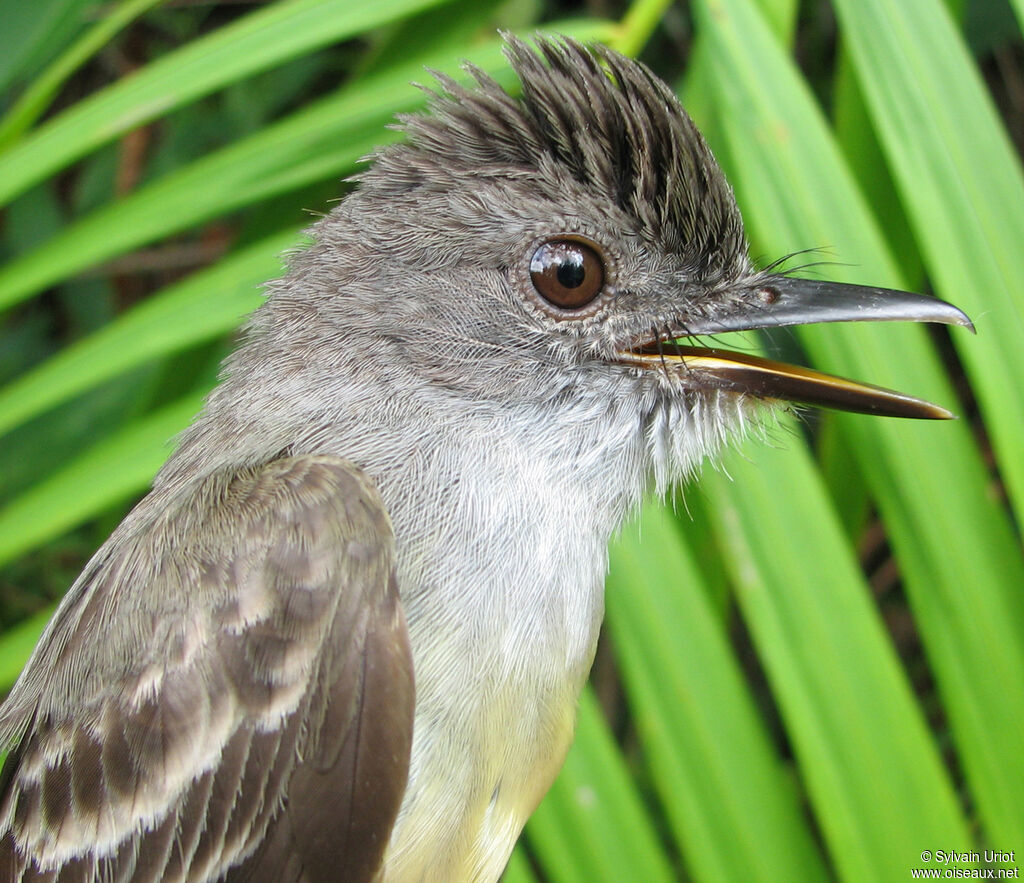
781	300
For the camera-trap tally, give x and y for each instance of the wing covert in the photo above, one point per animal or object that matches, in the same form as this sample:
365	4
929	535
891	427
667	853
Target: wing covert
227	686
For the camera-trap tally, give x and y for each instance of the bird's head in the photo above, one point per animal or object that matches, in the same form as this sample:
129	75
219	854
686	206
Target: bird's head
575	242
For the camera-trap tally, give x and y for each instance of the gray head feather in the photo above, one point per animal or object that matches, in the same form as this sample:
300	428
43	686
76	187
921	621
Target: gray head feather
414	302
605	120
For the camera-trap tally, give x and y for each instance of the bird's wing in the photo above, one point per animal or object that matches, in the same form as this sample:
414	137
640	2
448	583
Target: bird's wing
228	686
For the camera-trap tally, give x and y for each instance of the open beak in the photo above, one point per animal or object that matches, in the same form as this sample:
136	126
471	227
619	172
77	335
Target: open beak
782	300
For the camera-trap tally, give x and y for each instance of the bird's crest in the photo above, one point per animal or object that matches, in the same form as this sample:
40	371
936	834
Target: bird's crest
613	124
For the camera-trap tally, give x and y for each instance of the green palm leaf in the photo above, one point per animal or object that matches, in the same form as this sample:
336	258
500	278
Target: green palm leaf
755	721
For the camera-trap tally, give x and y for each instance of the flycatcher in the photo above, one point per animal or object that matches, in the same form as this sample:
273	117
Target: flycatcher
343	637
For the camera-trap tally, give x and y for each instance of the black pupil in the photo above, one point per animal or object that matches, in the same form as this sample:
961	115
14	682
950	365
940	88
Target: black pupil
570	271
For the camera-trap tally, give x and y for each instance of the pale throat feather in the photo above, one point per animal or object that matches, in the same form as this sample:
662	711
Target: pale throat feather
525	536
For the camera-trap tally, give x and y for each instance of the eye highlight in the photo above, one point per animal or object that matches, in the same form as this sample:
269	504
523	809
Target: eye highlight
567	273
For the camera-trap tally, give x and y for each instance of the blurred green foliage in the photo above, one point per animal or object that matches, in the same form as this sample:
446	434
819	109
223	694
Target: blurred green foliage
813	665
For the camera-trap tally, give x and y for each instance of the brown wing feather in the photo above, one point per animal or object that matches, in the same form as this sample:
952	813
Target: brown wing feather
343	778
227	690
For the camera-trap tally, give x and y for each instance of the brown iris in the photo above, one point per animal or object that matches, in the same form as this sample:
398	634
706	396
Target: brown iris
567	273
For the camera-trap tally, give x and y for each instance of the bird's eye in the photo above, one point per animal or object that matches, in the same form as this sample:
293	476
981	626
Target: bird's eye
567	273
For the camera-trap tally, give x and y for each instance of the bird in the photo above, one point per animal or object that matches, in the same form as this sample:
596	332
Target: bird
343	636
